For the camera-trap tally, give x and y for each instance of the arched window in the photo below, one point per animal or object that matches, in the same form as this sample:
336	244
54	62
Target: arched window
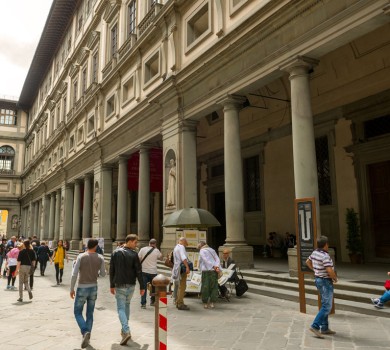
7	155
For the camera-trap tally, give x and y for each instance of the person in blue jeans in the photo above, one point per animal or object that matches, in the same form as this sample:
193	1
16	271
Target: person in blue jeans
321	263
88	267
125	269
149	256
379	302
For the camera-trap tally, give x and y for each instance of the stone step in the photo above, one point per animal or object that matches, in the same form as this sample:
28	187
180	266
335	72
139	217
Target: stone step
354	297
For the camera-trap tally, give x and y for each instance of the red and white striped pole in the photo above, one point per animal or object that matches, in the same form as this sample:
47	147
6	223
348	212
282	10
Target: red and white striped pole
161	321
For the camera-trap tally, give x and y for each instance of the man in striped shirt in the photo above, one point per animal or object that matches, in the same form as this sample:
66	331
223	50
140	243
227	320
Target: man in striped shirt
321	263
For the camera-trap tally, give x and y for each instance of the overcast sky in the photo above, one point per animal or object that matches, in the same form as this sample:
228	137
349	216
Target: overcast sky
22	22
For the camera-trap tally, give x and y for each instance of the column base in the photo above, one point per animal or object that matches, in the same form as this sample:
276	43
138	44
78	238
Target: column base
241	254
76	244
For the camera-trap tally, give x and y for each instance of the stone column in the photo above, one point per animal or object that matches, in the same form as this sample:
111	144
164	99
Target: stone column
68	212
234	188
38	212
32	219
57	216
46	217
106	208
87	209
51	216
144	197
76	234
304	151
122	200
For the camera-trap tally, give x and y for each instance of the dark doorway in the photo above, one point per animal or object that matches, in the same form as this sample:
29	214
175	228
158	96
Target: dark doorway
379	182
218	235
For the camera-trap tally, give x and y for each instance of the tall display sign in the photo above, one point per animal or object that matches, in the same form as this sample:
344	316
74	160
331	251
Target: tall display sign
305	222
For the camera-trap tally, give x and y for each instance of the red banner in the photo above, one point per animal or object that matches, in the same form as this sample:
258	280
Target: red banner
156	168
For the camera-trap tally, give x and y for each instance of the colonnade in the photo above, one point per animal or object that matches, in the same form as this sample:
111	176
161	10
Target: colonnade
66	220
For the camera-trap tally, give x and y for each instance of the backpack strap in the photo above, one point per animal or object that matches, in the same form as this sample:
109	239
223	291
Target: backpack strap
147	254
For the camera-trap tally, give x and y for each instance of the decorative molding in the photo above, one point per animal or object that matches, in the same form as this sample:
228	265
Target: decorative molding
93	39
112	9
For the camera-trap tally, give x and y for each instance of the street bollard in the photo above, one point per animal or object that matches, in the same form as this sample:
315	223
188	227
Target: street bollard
160	282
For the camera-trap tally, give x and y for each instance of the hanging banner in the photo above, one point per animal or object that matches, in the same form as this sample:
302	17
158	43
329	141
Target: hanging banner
156	166
132	172
156	170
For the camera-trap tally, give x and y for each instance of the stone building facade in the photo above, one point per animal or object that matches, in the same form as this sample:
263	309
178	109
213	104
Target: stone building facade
248	104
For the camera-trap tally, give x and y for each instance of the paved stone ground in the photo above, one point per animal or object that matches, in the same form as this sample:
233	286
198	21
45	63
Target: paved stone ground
247	323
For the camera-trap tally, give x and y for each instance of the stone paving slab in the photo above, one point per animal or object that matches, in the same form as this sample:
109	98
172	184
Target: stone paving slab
248	323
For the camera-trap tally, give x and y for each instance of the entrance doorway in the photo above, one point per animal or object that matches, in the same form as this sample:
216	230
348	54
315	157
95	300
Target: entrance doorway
218	236
379	184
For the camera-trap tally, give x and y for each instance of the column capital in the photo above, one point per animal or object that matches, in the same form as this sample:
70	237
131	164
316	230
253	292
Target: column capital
231	101
87	176
297	64
142	147
123	159
188	125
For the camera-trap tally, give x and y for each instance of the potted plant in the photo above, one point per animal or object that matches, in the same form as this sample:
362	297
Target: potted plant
354	240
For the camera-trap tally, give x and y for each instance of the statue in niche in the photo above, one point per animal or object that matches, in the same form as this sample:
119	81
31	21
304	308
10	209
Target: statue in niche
171	188
96	203
14	222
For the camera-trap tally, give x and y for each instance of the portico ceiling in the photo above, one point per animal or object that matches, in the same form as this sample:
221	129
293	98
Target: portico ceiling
57	21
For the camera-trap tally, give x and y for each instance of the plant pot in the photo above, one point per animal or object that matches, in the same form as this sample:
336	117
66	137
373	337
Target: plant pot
356	258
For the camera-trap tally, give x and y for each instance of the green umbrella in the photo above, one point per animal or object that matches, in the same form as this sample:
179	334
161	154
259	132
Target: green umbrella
191	218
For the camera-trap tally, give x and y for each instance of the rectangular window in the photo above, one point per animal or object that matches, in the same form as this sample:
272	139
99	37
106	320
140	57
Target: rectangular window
110	107
75	90
84	79
252	184
152	67
114	40
95	65
7	117
64	108
71	142
91	124
132	12
198	24
323	170
128	90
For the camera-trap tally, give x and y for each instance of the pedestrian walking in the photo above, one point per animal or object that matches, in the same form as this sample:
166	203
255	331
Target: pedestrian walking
125	269
59	256
149	257
180	271
11	264
26	261
43	255
321	263
88	267
210	267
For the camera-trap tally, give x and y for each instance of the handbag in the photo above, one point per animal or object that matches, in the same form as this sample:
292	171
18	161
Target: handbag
169	260
183	267
241	286
387	284
32	267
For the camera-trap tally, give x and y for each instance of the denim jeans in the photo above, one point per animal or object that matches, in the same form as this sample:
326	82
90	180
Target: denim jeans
385	297
147	277
123	297
85	295
325	288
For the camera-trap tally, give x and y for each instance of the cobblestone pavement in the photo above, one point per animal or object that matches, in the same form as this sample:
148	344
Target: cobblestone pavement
247	323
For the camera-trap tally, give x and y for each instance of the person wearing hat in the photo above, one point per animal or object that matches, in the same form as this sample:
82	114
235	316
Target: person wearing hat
148	257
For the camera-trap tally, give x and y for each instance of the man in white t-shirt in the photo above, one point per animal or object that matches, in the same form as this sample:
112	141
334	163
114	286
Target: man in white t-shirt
148	257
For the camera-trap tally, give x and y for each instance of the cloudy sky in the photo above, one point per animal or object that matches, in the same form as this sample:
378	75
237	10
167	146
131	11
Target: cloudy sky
22	22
